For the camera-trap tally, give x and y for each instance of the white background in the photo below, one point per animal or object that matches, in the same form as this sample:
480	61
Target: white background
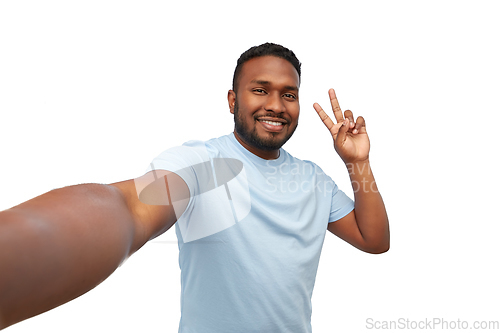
92	91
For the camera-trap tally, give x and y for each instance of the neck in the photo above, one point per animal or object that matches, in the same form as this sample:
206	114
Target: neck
265	154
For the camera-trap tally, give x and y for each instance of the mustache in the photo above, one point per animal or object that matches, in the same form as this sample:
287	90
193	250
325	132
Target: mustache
272	115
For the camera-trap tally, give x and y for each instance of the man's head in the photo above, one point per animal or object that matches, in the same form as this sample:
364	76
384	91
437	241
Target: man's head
265	103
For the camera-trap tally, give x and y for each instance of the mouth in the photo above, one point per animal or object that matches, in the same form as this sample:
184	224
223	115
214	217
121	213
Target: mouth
272	125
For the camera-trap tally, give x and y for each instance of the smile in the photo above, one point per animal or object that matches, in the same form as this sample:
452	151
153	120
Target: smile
275	123
271	126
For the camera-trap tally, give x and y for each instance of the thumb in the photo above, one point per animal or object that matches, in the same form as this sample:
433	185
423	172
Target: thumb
342	133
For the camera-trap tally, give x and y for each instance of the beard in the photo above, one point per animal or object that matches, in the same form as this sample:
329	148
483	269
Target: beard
250	136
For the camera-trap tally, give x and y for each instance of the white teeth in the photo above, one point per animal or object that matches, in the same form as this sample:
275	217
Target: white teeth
271	122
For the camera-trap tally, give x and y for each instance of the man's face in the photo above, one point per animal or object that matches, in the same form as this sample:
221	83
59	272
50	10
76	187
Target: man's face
266	107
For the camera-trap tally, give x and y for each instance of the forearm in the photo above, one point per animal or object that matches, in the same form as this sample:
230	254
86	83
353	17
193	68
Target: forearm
369	207
60	245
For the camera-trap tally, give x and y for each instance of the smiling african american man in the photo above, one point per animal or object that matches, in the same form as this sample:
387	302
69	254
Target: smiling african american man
249	217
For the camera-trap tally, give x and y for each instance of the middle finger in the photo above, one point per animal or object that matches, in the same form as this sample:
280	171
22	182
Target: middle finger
337	111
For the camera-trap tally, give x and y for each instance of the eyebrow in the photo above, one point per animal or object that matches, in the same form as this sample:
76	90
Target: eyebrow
267	83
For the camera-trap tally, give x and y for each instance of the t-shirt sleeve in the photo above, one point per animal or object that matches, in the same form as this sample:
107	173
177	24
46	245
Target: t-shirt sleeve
189	161
218	190
341	204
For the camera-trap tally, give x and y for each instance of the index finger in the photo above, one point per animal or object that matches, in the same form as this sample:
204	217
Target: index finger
337	111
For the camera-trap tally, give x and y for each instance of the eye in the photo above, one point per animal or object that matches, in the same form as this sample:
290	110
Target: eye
290	96
259	91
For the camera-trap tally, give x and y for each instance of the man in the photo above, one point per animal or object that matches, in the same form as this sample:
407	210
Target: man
251	218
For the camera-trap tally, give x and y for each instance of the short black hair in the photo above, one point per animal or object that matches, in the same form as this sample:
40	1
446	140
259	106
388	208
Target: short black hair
267	49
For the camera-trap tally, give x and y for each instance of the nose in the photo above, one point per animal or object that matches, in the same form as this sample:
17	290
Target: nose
274	103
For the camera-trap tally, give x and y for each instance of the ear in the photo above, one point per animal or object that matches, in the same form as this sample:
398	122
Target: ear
231	99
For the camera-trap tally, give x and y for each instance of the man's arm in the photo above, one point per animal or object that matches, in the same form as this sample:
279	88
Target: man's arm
367	226
59	245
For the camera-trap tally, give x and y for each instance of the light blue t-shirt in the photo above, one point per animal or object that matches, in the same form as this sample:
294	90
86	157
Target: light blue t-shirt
251	236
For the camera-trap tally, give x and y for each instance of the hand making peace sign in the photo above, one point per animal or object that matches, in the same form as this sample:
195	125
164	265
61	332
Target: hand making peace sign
350	139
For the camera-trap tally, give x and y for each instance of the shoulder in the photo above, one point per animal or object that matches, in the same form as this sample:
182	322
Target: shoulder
206	149
216	145
191	152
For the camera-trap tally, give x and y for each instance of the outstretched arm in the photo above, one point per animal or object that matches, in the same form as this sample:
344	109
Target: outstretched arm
367	226
59	245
